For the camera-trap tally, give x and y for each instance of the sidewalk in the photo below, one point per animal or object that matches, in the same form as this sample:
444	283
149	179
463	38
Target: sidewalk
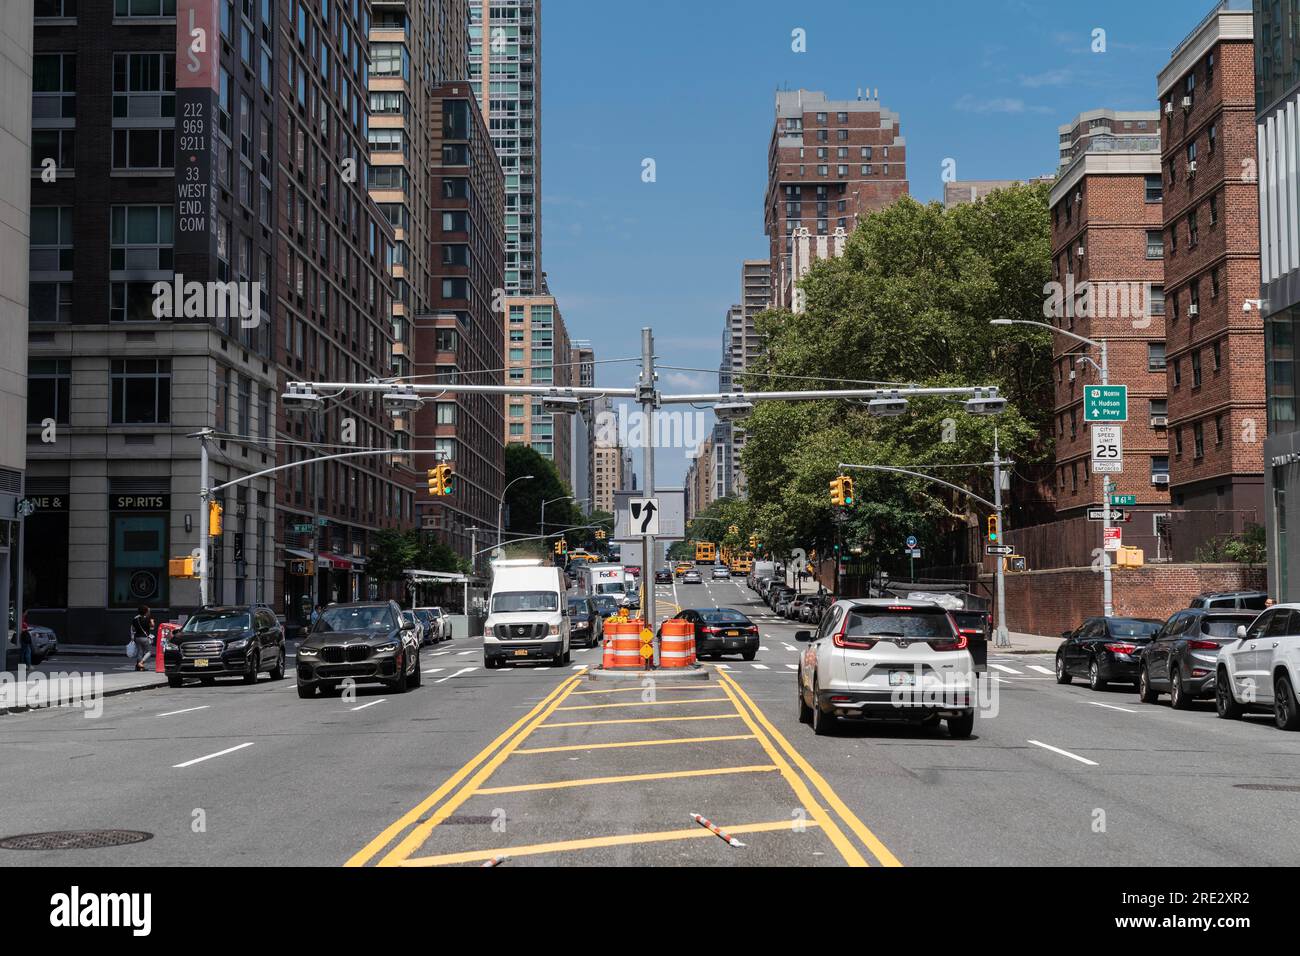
50	686
1027	644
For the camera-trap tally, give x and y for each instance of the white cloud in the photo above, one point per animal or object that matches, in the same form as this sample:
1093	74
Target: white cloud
999	104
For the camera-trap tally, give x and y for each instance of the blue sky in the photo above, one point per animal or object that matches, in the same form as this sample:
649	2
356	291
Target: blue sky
692	86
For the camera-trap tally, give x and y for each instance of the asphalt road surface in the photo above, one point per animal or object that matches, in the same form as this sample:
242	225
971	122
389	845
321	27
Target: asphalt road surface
539	765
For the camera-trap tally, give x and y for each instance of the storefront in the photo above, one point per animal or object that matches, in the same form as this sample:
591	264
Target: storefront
138	550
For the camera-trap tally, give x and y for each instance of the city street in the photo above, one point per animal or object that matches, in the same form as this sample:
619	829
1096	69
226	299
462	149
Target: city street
542	766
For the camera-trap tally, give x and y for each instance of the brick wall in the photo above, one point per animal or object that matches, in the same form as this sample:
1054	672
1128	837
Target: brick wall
1050	602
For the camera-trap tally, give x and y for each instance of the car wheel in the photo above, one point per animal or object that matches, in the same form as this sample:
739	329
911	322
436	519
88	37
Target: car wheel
1146	693
1179	699
1285	713
823	724
1094	676
174	680
277	672
961	727
568	657
1062	675
402	682
306	691
1224	702
749	655
931	720
805	712
254	665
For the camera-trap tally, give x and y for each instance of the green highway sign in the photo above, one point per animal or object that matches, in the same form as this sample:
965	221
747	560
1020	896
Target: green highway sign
1120	501
1105	403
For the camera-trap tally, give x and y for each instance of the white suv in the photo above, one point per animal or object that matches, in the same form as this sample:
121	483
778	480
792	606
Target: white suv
890	659
1260	670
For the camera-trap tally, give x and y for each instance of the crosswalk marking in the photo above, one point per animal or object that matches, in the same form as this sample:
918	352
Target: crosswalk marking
759	667
1042	670
1005	670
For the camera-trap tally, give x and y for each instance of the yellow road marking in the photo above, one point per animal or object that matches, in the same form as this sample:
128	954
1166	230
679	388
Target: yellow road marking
632	743
366	853
638	689
646	703
878	849
593	843
629	778
847	850
416	837
640	720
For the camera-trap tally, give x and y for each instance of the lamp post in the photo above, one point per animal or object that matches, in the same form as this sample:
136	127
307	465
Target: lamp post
1107	593
501	505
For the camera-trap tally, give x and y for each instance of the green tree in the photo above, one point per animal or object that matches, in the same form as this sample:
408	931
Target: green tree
524	498
393	553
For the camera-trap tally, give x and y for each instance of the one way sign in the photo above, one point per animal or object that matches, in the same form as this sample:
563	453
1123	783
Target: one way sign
645	516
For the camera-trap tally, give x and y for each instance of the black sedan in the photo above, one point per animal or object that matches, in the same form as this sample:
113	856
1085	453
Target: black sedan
364	643
1105	650
663	576
585	622
225	642
1182	659
721	630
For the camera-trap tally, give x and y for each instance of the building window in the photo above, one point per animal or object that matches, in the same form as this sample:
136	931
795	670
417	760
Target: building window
51	240
1157	300
1214	210
1178	372
1218	430
49	388
1155	244
1196	368
141	392
54	86
1198	441
1218	356
1209	69
144	85
55	8
1178	443
144	8
1214	283
141	254
1193	233
1159	465
144	149
1156	357
1213	136
1155	189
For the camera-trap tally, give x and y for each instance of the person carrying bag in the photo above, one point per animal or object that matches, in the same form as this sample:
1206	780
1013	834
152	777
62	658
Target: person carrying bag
142	630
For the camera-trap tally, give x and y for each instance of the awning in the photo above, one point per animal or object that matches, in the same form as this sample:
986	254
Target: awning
335	562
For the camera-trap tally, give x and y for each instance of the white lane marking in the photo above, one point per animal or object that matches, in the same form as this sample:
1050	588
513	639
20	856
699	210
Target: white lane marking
724	667
1042	670
435	670
1123	710
760	667
790	647
187	710
1005	670
464	653
793	667
463	670
1063	753
220	753
371	704
440	653
579	667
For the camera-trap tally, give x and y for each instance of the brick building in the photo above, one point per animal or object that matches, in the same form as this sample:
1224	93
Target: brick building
1107	259
1214	346
830	162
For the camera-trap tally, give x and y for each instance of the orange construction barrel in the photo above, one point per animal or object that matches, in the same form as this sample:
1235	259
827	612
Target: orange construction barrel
622	646
677	643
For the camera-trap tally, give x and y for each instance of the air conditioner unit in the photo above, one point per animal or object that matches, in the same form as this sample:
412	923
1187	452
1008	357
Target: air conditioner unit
1073	375
1193	310
1159	421
1160	479
1078	198
1169	107
1191	168
1081	252
1187	102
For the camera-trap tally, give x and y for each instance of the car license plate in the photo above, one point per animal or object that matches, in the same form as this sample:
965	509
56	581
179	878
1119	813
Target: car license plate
521	653
901	678
733	634
201	662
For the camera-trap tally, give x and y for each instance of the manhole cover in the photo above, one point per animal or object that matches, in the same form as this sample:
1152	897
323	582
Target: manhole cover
468	821
1275	787
74	839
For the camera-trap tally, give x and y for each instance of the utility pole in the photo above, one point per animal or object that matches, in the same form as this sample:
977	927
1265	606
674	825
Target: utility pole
205	578
315	519
1107	594
646	394
1003	637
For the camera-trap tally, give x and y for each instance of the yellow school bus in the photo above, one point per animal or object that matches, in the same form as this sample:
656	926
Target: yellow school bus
705	552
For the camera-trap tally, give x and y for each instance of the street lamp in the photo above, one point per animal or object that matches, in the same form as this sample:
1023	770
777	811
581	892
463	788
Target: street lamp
1107	594
501	505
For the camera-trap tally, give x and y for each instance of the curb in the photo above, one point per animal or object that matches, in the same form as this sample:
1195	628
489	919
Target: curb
114	692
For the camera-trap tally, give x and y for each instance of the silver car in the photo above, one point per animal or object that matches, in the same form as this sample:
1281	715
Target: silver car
44	642
410	617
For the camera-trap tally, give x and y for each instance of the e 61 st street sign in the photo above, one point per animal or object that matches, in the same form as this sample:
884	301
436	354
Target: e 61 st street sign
1105	403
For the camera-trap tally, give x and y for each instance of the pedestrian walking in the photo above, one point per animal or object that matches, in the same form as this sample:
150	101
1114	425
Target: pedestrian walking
142	631
25	646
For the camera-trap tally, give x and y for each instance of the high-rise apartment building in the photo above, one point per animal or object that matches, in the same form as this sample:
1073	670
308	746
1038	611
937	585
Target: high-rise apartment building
460	338
608	475
539	353
156	170
742	346
1277	106
1104	130
959	192
505	70
830	162
15	224
583	424
1214	344
1107	259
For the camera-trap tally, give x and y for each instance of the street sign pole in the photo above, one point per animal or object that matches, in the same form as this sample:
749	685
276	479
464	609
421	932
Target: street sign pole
647	396
1003	638
1107	593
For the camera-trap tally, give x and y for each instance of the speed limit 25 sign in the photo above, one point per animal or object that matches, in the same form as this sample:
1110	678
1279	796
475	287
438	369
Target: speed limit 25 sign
1107	449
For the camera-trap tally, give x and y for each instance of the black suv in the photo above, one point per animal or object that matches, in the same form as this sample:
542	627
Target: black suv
1232	601
367	642
585	622
226	642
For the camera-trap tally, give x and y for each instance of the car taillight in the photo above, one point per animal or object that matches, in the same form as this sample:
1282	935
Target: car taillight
1121	648
710	630
1203	645
841	641
960	644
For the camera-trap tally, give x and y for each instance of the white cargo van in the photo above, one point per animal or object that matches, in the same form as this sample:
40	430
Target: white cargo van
527	614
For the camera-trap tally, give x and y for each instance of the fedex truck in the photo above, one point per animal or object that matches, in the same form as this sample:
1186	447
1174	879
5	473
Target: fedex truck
598	579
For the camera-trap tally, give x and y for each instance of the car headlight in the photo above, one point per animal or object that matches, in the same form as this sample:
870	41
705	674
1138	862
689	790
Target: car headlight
555	629
386	648
308	652
169	646
238	645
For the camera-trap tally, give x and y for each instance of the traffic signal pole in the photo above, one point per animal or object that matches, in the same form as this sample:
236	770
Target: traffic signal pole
646	392
204	573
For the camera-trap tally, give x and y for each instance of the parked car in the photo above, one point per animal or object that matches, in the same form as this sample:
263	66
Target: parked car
885	659
1104	650
437	624
1183	658
813	608
240	641
777	594
45	643
721	630
1231	600
586	626
790	607
692	577
367	642
1260	670
410	617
